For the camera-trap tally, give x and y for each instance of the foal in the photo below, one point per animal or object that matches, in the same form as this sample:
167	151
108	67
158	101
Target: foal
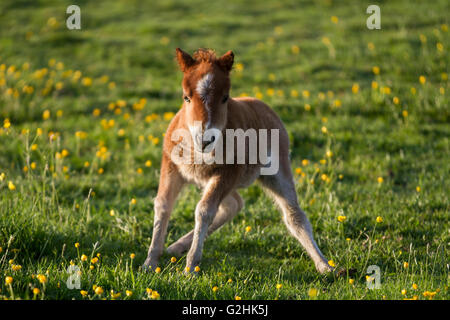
206	85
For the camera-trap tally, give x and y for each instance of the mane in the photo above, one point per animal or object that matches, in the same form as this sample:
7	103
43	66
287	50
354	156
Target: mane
205	55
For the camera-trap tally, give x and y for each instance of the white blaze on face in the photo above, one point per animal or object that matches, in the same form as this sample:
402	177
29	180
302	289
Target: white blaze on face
204	90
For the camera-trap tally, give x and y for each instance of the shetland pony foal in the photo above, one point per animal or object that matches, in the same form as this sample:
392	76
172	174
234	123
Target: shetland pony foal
206	84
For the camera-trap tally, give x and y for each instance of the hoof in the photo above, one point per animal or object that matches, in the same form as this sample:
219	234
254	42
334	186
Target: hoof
148	265
325	269
346	272
176	250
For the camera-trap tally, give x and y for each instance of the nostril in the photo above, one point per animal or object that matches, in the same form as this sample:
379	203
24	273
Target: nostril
206	143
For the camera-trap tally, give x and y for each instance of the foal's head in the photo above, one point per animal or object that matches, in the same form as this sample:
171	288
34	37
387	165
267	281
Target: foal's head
206	86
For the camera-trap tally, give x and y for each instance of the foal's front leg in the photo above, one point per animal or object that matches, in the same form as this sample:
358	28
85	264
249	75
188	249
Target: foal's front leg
170	185
205	212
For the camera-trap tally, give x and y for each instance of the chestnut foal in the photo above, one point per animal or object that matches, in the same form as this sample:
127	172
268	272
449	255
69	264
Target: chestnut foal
206	84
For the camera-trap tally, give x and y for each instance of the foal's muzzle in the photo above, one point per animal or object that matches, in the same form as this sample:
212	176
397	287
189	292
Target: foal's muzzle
206	143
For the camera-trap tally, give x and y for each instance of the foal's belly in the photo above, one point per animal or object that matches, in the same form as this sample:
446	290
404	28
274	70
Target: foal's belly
200	174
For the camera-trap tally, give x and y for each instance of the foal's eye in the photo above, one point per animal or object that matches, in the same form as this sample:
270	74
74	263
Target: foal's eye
225	98
186	98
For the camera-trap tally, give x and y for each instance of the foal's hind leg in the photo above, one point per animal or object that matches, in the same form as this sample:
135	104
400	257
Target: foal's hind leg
228	209
282	189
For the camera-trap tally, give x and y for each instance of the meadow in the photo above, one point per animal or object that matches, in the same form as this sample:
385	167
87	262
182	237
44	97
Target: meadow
83	113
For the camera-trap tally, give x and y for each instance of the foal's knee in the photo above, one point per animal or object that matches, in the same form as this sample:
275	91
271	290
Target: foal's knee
161	207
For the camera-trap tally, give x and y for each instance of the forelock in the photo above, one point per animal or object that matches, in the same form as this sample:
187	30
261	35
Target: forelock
205	55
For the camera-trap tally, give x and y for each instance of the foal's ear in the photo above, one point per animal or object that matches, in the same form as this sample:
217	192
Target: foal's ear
226	61
184	60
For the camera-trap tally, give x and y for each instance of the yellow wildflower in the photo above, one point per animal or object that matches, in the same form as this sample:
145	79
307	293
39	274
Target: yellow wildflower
98	290
312	293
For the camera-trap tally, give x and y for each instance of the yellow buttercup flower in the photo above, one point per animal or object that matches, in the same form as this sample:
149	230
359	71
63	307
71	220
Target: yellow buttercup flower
132	256
46	114
11	186
8	280
312	293
96	112
396	100
379	219
42	278
374	85
429	294
6	123
306	94
248	228
64	153
155	294
173	259
341	218
98	290
16	267
331	263
422	79
86	81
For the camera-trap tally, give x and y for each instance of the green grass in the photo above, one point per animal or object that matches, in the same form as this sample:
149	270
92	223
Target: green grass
61	202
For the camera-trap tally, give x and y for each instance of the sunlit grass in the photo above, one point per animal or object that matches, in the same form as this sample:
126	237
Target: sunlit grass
82	118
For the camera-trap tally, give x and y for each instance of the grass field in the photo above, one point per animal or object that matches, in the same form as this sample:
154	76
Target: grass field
82	114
